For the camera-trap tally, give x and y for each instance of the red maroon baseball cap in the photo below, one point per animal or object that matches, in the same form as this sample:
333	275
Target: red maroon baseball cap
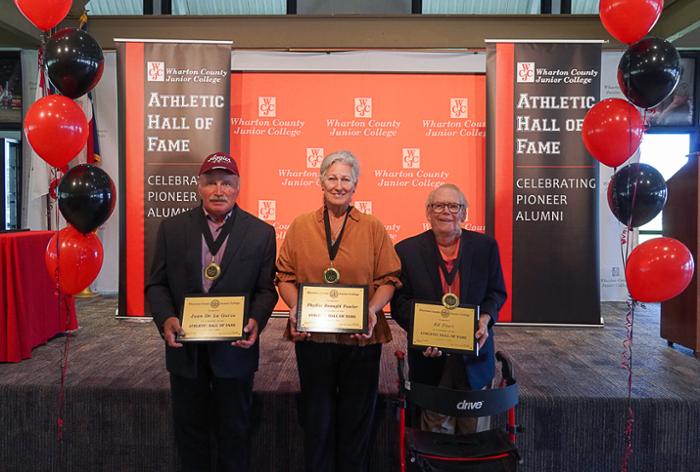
220	161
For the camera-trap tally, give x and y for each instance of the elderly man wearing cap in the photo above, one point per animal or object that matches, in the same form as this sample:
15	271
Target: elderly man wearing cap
215	248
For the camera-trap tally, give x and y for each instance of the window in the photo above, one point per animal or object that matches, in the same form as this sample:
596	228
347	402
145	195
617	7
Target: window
478	7
666	153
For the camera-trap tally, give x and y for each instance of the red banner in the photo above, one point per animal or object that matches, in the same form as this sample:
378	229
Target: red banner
174	108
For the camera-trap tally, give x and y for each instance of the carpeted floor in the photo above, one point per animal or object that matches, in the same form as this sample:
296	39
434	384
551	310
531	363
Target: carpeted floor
572	389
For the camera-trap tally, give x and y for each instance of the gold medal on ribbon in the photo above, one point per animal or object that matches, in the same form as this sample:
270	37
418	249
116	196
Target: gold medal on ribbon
331	275
450	300
212	271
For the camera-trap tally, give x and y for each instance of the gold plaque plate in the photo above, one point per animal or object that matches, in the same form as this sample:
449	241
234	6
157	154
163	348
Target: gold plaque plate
325	308
449	329
213	318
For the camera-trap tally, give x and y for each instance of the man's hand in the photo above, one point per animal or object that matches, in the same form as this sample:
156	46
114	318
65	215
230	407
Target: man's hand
171	328
251	329
482	334
296	335
432	352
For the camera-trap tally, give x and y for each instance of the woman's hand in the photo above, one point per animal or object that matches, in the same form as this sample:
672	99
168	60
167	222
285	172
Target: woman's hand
296	335
371	323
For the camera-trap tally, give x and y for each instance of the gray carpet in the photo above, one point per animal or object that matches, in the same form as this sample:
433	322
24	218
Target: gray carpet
572	392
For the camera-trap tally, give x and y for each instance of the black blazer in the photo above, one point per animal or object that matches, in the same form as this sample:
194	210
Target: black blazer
247	266
481	283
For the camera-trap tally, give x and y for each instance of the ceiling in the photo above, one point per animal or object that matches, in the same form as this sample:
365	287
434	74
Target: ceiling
679	23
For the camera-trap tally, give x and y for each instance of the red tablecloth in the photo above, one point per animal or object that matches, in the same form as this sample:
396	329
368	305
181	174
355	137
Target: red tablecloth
29	303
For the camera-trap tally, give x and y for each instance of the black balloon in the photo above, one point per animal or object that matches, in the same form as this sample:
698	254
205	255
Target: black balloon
649	71
74	62
636	194
86	197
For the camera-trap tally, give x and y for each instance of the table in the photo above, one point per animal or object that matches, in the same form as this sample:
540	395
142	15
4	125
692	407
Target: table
29	301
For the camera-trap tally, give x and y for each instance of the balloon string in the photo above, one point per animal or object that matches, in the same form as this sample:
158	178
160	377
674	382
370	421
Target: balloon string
629	326
61	297
624	240
627	364
43	81
633	204
646	120
64	371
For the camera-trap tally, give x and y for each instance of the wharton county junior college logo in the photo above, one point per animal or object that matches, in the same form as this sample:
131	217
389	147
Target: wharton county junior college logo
525	72
155	71
363	107
459	107
314	157
267	106
267	210
410	158
365	206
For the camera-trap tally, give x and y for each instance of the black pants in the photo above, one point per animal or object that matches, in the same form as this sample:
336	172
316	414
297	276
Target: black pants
209	408
338	398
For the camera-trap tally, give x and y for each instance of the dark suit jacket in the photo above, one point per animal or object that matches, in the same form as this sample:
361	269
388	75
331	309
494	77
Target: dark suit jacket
481	283
248	266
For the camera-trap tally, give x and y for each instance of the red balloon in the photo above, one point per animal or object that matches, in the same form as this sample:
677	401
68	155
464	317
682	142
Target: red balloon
659	269
56	128
630	20
75	260
612	131
44	14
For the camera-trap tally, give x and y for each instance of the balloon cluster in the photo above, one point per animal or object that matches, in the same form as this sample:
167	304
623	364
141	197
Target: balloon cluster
612	131
57	131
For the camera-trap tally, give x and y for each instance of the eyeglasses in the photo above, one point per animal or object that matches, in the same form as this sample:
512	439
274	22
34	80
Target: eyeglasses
440	207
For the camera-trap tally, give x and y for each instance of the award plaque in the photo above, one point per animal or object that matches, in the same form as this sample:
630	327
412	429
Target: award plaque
448	329
324	308
213	318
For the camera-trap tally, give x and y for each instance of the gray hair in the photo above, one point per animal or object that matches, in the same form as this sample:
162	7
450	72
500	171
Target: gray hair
460	194
343	157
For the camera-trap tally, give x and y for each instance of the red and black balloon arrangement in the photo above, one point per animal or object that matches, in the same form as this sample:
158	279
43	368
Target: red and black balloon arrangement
648	72
70	64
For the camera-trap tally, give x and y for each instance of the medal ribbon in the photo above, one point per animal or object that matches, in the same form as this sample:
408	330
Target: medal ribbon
333	247
225	230
449	276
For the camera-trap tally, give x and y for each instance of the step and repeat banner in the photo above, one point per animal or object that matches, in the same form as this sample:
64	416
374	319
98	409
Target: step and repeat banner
542	205
174	109
411	130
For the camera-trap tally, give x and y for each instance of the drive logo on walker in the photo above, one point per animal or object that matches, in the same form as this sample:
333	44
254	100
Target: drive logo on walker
155	71
363	107
465	405
459	107
410	158
267	210
525	72
267	106
314	157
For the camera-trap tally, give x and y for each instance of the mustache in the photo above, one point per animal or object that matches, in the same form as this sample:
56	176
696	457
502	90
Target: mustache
218	200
